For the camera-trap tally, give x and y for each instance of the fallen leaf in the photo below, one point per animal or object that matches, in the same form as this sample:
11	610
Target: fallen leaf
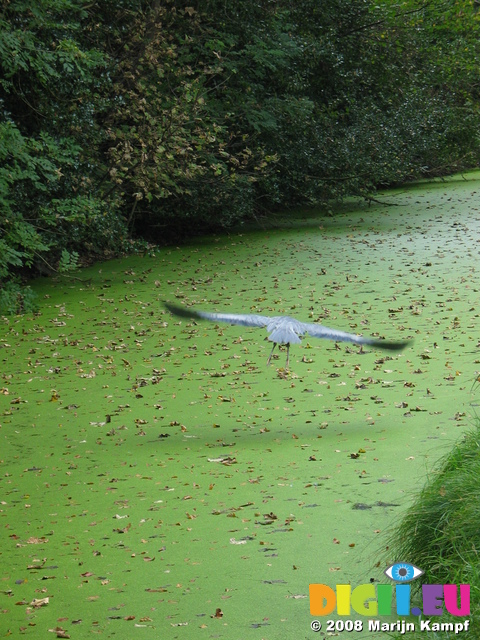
34	540
39	602
61	633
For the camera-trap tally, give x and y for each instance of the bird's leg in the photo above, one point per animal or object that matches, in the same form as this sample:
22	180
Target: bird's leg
271	352
287	364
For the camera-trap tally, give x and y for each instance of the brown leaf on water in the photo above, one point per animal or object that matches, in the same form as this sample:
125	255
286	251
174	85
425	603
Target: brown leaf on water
218	614
61	633
39	602
37	566
270	516
34	540
226	461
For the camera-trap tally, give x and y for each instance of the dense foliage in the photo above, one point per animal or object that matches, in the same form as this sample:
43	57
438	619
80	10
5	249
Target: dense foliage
139	119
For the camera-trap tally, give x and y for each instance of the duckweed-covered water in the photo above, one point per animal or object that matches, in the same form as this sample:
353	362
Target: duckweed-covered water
157	480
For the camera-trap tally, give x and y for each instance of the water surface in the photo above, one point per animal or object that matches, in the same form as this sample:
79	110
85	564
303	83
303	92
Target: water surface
158	480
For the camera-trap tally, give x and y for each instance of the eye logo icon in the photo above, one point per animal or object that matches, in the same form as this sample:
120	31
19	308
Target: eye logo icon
403	572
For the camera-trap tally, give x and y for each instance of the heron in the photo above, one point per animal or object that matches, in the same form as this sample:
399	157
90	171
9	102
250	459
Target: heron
284	330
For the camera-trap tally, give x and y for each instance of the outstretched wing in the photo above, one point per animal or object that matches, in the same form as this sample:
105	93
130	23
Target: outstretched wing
319	331
244	320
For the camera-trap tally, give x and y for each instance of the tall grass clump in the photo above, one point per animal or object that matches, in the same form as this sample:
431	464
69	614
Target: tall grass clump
440	533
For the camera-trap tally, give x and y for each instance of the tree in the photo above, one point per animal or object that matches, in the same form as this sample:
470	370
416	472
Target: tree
139	119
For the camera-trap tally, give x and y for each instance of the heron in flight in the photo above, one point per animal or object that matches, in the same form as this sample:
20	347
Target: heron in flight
285	330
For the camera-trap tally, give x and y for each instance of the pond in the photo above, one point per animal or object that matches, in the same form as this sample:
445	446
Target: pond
159	480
